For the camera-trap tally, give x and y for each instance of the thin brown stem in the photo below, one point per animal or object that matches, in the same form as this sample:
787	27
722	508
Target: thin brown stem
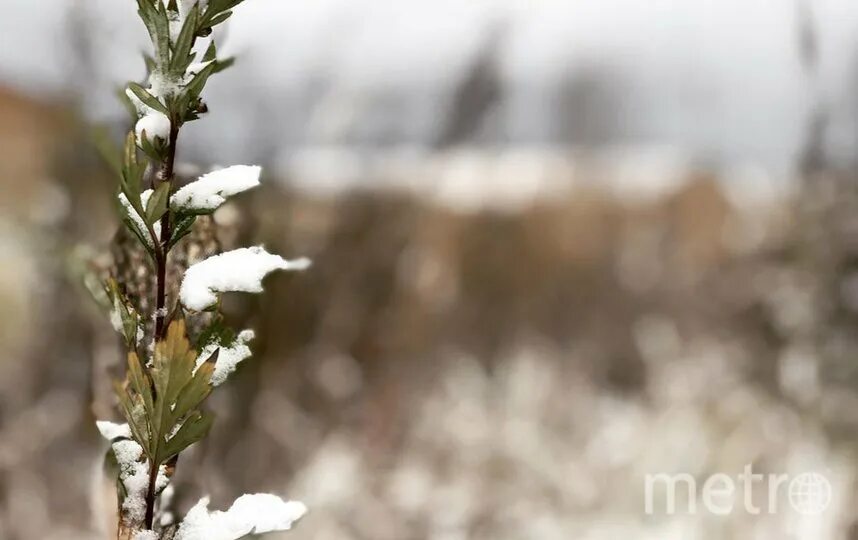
165	174
150	495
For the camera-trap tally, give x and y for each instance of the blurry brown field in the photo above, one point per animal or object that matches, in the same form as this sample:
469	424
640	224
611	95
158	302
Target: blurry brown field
448	374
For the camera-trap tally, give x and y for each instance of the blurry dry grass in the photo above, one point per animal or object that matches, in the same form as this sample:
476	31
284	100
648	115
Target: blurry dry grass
443	375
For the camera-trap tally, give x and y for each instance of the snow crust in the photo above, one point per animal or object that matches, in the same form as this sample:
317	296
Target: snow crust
257	514
238	270
210	191
228	356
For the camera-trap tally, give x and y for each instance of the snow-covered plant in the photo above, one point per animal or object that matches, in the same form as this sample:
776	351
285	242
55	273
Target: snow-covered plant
172	365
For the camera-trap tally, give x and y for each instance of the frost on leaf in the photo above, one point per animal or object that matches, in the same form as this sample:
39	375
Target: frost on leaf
249	514
211	190
238	270
229	354
135	220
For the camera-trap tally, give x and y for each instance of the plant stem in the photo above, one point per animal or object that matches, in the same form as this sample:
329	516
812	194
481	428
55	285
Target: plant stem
165	174
150	494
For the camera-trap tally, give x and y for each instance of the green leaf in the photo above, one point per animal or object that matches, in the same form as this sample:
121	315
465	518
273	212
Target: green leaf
147	98
195	87
157	204
211	52
221	65
216	332
120	307
219	18
193	429
132	173
183	227
161	22
215	8
173	371
173	363
140	381
158	25
155	148
150	63
130	156
195	391
185	42
162	403
142	236
211	56
136	415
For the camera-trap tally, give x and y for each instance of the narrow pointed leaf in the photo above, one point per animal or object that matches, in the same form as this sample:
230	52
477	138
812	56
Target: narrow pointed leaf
211	52
195	392
194	429
136	421
139	380
196	85
182	229
157	203
148	99
185	41
219	18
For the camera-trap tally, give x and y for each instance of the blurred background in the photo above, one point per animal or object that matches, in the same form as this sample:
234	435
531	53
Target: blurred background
559	245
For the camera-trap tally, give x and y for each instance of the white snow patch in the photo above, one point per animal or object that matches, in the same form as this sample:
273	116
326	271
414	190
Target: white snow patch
153	124
210	191
228	356
112	430
134	475
145	535
257	514
237	270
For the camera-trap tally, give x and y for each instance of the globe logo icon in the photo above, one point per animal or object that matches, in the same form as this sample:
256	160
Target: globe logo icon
810	494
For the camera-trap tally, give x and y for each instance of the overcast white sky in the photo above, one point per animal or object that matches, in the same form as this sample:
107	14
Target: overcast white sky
719	79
